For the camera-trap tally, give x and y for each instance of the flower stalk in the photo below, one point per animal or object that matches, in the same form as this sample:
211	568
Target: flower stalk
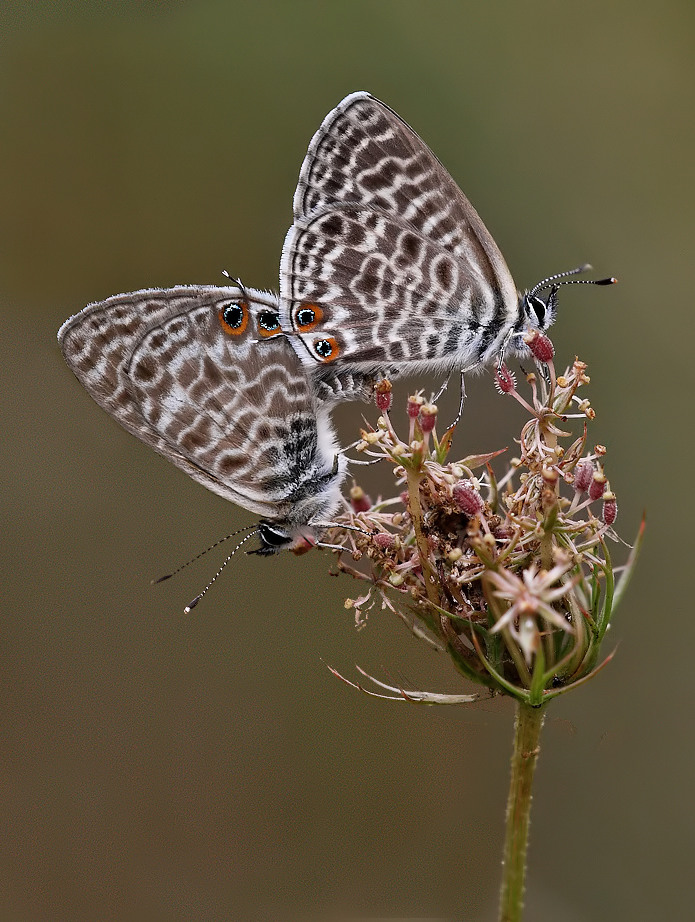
527	732
508	571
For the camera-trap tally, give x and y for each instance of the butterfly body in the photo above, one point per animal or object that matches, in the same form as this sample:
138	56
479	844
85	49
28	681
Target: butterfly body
197	373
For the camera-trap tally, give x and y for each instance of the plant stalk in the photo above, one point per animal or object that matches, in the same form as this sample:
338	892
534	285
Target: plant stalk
527	731
428	574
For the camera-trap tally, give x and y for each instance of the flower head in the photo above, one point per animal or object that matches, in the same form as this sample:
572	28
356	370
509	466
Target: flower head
510	571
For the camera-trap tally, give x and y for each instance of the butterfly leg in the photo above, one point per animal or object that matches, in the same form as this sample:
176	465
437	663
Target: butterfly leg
347	448
332	547
441	390
462	400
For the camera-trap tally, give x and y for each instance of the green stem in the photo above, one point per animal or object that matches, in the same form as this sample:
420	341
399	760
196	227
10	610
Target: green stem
527	731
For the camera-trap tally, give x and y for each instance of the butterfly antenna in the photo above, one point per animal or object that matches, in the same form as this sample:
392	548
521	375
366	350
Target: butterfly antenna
192	604
237	282
198	556
552	280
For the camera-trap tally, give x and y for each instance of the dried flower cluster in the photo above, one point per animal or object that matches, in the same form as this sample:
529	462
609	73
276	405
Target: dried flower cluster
510	574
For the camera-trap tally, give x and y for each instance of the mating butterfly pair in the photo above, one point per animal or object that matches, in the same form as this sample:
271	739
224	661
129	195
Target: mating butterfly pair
387	269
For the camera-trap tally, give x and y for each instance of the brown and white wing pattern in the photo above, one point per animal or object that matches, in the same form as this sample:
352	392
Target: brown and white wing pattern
387	261
193	372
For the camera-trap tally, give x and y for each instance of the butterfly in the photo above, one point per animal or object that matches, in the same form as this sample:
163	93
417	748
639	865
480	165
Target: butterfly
201	374
387	267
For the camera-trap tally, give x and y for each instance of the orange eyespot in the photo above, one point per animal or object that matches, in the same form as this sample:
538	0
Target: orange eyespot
268	323
327	348
306	316
234	317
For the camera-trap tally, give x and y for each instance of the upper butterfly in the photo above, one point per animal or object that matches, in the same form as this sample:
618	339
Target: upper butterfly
199	374
387	267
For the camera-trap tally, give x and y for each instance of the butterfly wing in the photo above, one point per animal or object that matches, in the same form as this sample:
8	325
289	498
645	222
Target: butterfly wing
237	414
386	244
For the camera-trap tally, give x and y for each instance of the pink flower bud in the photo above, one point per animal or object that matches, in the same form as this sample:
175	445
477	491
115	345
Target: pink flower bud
359	500
468	500
428	417
598	485
610	508
583	473
414	404
384	540
382	395
539	345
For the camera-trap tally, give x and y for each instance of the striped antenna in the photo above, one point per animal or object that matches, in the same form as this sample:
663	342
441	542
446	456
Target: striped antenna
191	605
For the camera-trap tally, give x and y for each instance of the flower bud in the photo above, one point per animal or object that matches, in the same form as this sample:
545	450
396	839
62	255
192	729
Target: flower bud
415	401
539	345
428	417
382	395
550	476
610	508
583	473
359	500
598	485
384	540
467	499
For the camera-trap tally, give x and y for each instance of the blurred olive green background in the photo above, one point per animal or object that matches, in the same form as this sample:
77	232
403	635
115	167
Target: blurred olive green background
208	767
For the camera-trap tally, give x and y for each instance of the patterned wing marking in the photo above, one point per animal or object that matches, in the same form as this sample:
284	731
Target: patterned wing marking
98	341
364	153
366	290
133	348
240	411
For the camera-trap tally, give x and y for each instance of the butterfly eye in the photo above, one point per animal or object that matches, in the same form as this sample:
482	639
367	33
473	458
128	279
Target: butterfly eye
538	307
268	323
272	536
327	349
234	317
307	316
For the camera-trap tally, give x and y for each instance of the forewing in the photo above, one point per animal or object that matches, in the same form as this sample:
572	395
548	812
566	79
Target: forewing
365	158
364	153
215	404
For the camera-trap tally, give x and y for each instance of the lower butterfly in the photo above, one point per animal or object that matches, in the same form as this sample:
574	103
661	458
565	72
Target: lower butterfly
199	374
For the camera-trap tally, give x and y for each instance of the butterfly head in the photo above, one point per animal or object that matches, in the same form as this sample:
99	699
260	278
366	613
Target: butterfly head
273	537
540	312
279	536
